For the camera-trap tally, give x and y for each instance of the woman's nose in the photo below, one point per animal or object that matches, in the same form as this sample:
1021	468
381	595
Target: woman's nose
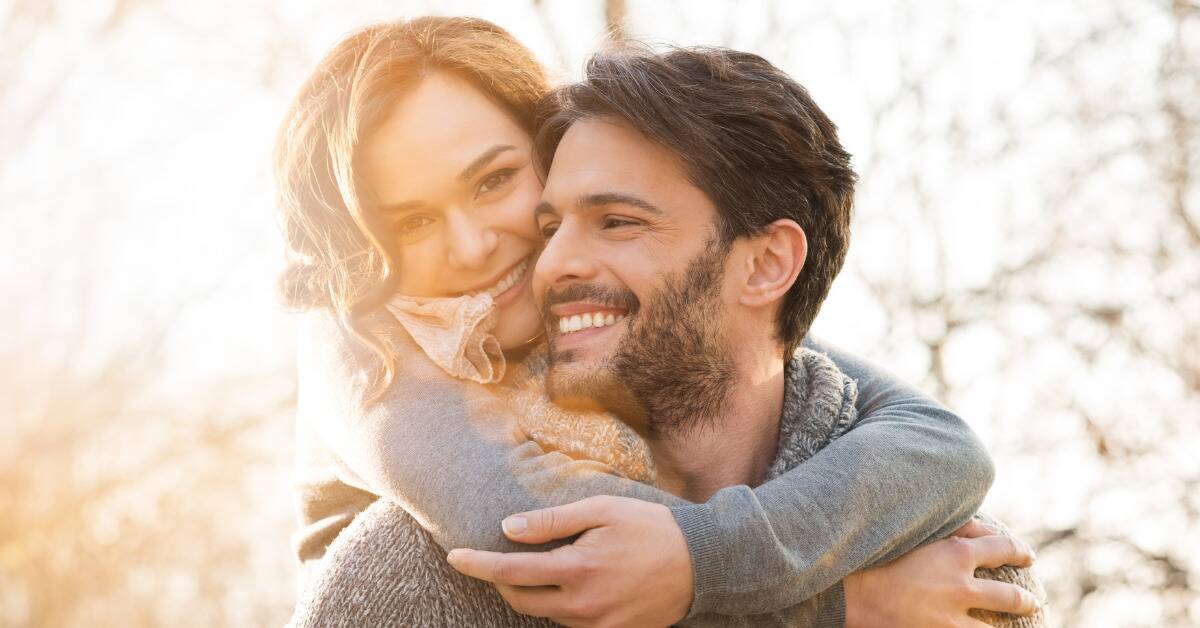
470	243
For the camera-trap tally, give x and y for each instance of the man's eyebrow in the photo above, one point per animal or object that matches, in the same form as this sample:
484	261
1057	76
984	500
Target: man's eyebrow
617	198
483	160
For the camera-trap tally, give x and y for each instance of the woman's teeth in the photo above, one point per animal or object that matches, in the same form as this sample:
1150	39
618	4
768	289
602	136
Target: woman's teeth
506	282
576	322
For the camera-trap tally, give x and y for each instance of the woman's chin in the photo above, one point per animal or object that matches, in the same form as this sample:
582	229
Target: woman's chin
512	336
519	322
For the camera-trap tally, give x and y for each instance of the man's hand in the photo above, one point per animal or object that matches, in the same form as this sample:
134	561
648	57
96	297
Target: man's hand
630	567
936	585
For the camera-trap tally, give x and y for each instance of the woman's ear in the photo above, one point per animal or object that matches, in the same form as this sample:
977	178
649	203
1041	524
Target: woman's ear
775	260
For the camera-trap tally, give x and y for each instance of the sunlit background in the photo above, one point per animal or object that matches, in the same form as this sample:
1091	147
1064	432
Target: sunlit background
1026	247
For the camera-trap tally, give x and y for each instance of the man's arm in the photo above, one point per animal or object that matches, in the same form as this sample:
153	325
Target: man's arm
908	472
951	582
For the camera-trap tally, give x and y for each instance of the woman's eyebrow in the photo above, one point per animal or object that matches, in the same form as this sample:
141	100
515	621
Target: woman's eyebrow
470	171
544	208
483	160
397	209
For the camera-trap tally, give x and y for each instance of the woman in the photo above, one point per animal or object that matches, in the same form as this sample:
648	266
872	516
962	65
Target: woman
407	188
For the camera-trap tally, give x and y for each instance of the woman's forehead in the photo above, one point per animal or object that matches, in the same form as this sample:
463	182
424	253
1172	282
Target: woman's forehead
432	135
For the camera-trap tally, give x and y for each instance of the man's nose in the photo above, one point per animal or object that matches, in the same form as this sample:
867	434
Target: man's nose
565	258
470	243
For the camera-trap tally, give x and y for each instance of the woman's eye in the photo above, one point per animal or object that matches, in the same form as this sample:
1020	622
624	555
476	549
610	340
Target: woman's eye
548	230
494	180
412	224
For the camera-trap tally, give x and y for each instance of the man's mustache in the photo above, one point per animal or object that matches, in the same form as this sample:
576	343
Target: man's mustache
592	293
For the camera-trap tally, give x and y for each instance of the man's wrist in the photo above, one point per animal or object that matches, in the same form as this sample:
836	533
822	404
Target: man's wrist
851	593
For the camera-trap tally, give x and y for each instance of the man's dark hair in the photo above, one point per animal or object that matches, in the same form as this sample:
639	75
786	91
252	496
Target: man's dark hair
748	136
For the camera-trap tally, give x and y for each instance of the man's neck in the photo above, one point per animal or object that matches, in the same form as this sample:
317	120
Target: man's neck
736	447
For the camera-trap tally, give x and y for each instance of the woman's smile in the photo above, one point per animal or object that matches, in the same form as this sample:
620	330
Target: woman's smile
508	286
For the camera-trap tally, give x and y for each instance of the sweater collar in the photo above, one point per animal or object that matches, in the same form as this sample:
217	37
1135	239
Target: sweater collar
818	406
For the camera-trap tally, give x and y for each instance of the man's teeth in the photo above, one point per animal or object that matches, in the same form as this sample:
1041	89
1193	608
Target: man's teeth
576	322
505	282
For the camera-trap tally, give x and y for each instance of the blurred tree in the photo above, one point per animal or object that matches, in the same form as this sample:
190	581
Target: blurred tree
1027	244
1039	254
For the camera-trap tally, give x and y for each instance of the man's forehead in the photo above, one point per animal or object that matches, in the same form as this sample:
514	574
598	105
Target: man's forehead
605	154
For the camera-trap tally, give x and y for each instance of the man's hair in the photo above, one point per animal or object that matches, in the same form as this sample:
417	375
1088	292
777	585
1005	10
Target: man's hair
747	134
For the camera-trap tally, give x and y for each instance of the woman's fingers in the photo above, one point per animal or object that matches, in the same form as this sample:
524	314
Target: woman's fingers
997	550
1002	597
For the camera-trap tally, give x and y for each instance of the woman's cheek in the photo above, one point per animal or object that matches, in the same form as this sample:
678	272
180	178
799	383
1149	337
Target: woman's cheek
417	268
519	209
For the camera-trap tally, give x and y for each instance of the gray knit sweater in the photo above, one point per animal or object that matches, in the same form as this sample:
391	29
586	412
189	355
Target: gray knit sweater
384	569
457	457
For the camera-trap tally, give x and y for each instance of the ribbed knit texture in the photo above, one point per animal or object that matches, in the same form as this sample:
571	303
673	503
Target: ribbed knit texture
832	613
385	570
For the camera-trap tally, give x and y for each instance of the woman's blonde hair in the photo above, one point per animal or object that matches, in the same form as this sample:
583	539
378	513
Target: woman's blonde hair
339	254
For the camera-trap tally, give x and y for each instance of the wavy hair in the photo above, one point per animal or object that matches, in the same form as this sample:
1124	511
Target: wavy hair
340	255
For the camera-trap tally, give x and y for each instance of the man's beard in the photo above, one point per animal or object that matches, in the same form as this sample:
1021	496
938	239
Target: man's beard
672	366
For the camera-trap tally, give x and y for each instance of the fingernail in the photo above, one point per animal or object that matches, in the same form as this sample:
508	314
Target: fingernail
1030	601
450	557
514	526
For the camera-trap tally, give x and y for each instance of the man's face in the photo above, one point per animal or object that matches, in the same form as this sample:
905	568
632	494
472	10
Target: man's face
632	280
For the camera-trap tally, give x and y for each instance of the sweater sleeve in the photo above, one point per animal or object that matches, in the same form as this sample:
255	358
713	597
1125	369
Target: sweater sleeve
450	452
909	471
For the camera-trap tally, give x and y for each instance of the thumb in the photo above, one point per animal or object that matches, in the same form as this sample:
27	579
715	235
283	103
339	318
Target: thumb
559	522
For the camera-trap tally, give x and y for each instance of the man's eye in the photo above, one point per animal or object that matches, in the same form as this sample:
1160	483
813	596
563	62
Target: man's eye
613	222
548	230
413	224
494	181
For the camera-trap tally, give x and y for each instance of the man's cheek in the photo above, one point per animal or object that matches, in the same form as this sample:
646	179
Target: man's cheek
537	284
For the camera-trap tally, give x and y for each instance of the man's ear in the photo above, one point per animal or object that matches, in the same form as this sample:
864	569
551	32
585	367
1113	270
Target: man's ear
775	260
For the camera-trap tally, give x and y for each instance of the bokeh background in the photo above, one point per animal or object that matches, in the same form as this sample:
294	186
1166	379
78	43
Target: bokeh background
1026	247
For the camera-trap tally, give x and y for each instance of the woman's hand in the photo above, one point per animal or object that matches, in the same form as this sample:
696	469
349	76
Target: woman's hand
935	585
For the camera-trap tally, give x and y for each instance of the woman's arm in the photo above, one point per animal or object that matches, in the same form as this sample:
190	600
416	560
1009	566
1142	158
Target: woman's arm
908	472
449	451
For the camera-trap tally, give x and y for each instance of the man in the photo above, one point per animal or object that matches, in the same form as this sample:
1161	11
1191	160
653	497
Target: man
704	197
707	192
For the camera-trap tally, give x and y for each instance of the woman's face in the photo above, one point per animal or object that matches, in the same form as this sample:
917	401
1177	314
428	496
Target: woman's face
452	174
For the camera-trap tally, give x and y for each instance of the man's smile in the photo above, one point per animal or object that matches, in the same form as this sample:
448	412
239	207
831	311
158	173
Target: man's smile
580	321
